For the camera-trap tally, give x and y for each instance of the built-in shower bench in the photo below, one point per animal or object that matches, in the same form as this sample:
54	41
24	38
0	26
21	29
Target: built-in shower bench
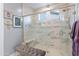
26	50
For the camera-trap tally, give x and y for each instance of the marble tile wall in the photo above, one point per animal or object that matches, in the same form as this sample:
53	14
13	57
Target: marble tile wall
51	36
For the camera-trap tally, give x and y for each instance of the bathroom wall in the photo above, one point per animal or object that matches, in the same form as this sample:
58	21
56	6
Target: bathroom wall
1	29
13	36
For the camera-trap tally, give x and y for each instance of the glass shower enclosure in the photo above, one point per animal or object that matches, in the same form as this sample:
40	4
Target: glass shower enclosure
50	30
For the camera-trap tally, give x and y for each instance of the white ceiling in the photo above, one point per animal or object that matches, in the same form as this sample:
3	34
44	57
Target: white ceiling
37	5
31	5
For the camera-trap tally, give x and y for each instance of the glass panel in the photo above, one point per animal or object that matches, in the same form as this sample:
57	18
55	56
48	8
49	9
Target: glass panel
27	23
49	31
